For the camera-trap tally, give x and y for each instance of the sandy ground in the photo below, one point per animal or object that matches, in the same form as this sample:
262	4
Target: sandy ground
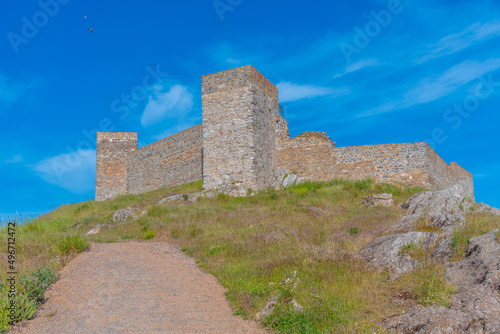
135	287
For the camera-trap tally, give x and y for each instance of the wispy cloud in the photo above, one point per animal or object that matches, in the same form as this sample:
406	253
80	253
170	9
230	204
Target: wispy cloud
167	102
432	89
15	159
359	66
11	91
456	42
290	92
72	171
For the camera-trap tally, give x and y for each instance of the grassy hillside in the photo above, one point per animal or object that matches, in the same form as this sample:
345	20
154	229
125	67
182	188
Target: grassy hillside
297	243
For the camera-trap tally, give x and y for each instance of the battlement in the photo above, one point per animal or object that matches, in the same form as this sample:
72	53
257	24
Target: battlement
243	139
112	153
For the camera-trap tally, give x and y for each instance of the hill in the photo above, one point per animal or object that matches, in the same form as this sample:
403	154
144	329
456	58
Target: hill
300	244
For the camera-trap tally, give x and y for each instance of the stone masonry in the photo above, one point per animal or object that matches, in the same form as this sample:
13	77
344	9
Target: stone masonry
239	116
243	141
112	153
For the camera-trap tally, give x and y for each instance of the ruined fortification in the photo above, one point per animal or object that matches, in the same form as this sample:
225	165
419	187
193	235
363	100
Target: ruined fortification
243	139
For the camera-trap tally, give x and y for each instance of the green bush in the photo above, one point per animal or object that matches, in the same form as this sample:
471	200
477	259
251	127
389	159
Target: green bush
353	230
73	243
35	283
29	294
149	234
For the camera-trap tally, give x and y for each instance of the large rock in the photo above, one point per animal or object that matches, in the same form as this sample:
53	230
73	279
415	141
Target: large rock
485	208
444	209
480	265
122	215
475	308
378	200
271	304
283	179
386	252
430	320
176	197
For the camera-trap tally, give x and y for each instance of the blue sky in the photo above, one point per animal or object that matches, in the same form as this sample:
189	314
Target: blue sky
367	72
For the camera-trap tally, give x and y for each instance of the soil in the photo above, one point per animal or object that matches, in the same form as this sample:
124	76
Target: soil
135	287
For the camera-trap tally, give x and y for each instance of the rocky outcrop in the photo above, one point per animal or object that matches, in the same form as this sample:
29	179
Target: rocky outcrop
121	216
388	252
485	208
475	308
444	209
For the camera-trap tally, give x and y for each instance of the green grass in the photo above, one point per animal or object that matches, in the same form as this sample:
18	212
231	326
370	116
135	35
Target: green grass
254	245
477	224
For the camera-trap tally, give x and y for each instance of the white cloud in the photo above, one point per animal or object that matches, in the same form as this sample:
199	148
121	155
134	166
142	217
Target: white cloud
72	171
432	89
358	66
462	40
14	159
176	102
290	92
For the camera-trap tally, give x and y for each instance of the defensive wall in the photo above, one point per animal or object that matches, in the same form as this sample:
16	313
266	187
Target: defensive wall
243	140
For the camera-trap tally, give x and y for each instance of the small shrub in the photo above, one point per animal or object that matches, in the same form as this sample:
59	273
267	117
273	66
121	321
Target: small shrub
185	197
127	237
407	249
35	283
149	234
214	249
435	291
353	230
73	243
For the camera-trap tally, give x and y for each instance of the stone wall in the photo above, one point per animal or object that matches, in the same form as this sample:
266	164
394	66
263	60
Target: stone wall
169	162
392	162
112	152
239	110
442	176
313	156
243	140
281	128
309	155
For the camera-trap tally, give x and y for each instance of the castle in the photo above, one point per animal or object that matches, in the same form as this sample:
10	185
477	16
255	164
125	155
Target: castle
244	139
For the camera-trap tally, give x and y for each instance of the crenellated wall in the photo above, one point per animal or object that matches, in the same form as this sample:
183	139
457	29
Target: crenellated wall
243	140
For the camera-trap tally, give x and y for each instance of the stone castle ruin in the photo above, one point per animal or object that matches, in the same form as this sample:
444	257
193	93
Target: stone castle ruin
244	140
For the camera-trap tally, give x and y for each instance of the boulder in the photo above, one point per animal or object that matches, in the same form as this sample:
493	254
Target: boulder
378	200
387	252
177	197
485	208
121	216
475	308
95	230
271	304
444	209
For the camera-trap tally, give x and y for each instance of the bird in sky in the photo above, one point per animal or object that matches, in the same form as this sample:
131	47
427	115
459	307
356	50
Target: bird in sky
90	29
85	16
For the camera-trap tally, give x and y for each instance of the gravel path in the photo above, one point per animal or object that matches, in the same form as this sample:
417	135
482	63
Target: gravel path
135	287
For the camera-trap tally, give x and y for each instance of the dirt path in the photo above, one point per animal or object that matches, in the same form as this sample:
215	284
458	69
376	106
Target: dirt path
136	288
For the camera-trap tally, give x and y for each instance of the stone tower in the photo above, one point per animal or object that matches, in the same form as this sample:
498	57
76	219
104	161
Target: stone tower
239	115
112	151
